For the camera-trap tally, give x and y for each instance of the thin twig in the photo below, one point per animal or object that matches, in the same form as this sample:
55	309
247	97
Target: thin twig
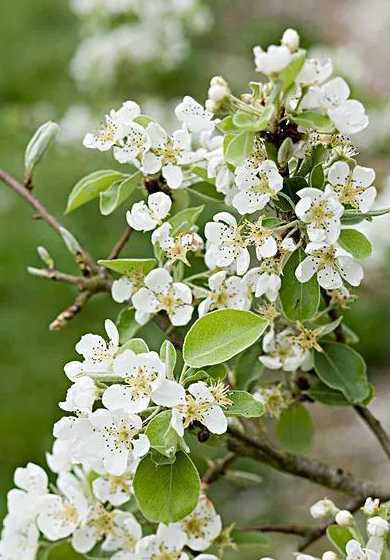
286	528
217	469
376	428
119	245
70	312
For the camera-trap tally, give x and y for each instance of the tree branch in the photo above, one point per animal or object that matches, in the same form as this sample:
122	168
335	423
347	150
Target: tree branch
218	469
310	469
286	528
376	428
119	245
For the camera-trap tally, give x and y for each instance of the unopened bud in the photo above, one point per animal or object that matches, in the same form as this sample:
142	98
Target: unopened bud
323	509
45	256
39	144
290	40
370	506
329	555
344	518
377	526
285	152
218	89
70	241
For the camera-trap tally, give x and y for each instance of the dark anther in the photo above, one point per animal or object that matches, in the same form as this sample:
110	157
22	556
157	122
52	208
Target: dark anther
203	435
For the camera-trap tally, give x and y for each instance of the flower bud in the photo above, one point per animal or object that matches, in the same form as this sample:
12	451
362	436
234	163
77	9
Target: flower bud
45	256
39	144
370	506
377	526
218	89
290	40
344	518
329	555
323	509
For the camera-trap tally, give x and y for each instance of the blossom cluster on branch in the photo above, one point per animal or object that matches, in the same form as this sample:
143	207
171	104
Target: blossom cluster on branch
269	254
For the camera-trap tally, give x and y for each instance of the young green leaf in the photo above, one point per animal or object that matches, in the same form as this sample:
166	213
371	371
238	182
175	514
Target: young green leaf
162	436
239	147
128	266
288	74
168	356
252	122
317	177
340	367
119	192
127	325
166	493
331	397
91	186
355	242
244	404
185	219
295	428
210	342
339	536
312	119
299	301
137	345
38	145
247	368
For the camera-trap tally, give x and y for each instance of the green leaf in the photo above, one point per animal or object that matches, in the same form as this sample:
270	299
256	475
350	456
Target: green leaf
251	122
167	493
244	404
162	436
137	345
59	551
340	367
127	325
331	397
317	177
185	219
299	301
210	342
128	266
218	372
355	243
339	536
248	537
118	192
39	144
168	356
239	147
206	192
91	186
247	368
226	124
295	428
312	119
288	75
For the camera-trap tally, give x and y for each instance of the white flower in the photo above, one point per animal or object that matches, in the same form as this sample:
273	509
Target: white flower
344	518
264	282
161	293
24	502
128	149
116	490
377	526
146	217
167	153
117	125
349	118
226	245
273	60
192	115
353	187
176	248
202	526
203	404
97	353
19	539
281	351
143	380
263	240
60	458
166	544
59	515
371	506
290	39
218	89
124	537
330	265
73	434
80	397
314	72
225	292
323	509
355	551
322	212
32	479
329	555
256	187
124	287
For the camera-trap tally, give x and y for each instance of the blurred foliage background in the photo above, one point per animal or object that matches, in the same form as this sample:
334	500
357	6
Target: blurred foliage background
39	39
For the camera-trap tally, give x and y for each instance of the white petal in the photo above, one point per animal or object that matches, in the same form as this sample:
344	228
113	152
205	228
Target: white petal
173	175
158	280
338	173
151	163
366	199
160	204
122	289
145	301
306	269
243	261
168	393
181	315
141	445
268	248
112	331
84	539
329	278
363	176
215	420
350	270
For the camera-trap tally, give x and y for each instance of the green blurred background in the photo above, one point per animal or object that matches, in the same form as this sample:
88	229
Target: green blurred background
38	40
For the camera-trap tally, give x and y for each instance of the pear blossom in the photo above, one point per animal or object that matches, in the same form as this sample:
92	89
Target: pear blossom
377	526
143	380
202	526
131	148
146	217
193	116
32	479
124	287
176	247
273	60
204	404
97	353
226	245
80	397
167	153
225	292
117	125
344	518
263	240
167	543
117	439
281	352
323	509
60	515
353	187
124	537
113	489
19	539
161	293
330	265
60	458
314	72
31	491
322	212
355	551
290	39
255	190
371	506
264	280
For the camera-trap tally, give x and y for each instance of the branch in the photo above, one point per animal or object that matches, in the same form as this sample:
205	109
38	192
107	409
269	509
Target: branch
218	469
119	245
286	528
310	469
376	428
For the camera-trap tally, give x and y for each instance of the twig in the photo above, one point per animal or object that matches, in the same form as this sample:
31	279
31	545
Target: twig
65	316
376	428
286	528
218	469
164	323
315	471
119	245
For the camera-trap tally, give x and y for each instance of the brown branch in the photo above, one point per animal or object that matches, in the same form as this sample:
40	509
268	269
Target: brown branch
310	469
65	316
376	428
120	244
285	528
217	469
